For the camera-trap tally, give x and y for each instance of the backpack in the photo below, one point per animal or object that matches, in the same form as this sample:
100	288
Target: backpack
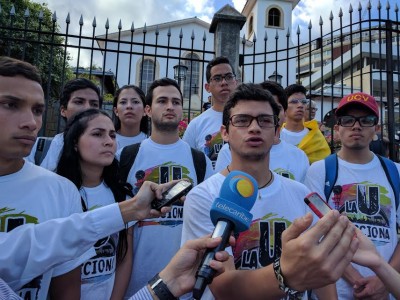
331	173
43	145
128	156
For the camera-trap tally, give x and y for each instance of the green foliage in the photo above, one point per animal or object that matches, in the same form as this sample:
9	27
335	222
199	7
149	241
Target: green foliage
35	40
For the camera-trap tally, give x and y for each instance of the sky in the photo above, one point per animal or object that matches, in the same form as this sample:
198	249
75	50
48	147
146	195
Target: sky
159	11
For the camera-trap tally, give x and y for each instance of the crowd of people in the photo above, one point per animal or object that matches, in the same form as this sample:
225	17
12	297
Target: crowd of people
76	217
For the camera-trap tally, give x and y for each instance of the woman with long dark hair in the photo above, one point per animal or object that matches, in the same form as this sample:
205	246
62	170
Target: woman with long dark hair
130	120
88	160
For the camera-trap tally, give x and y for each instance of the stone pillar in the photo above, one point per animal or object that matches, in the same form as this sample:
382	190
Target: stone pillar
226	25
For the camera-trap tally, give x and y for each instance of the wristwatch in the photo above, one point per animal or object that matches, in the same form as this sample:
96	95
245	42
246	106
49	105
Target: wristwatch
160	289
290	293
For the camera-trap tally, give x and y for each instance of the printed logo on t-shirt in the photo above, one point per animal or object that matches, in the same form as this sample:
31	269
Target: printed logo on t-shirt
161	174
9	220
102	266
261	244
212	145
368	206
31	290
284	173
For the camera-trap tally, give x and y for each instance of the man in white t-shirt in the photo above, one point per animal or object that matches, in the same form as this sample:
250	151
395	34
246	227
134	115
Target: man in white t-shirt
78	94
203	132
161	158
304	135
249	125
286	159
362	191
30	194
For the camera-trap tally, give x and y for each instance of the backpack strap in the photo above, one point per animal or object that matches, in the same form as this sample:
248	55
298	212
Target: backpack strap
127	158
42	148
200	164
392	174
331	173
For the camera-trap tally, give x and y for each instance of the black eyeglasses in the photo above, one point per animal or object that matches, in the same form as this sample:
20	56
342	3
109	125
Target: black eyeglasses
228	78
264	121
365	121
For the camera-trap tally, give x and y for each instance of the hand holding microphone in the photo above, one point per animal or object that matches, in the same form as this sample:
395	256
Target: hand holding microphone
229	212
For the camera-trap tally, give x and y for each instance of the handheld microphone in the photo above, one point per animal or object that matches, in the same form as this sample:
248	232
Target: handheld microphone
229	212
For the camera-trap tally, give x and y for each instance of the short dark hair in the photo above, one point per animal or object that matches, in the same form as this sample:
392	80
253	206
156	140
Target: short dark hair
144	123
76	85
217	61
161	82
247	92
276	90
11	67
295	88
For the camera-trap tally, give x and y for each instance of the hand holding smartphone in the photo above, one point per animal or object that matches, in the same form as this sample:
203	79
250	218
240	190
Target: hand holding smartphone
317	204
173	194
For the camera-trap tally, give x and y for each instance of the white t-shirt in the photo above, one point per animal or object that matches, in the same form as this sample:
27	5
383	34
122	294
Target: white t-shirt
203	133
293	138
98	273
52	157
35	195
364	193
155	241
123	141
25	243
274	210
285	159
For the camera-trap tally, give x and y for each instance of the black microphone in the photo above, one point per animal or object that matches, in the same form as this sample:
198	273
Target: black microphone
229	212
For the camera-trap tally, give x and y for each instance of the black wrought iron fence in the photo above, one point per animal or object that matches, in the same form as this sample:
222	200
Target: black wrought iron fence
132	56
336	58
353	51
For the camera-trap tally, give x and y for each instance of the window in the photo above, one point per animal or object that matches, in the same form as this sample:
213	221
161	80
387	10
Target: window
192	75
274	17
147	75
251	26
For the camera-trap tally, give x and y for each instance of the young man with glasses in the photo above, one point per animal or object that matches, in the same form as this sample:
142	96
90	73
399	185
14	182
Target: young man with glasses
295	131
285	159
203	132
250	121
362	191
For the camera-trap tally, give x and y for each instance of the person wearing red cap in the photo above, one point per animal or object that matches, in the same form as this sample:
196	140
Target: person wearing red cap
362	191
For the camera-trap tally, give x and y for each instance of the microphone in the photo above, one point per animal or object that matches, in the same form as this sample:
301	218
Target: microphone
229	212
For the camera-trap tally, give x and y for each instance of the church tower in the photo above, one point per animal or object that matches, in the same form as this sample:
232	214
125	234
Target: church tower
270	18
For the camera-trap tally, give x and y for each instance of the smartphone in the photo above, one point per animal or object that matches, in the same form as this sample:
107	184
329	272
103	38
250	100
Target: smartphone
173	194
317	204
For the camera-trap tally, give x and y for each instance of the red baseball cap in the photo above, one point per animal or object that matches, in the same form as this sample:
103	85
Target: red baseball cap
358	99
